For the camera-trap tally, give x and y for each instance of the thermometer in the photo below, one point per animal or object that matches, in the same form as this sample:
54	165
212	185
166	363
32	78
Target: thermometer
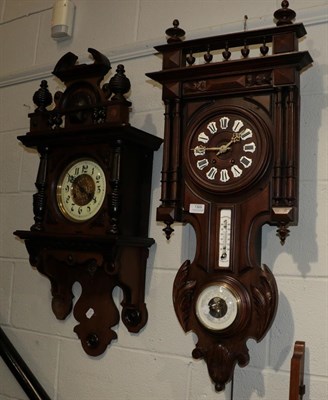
224	238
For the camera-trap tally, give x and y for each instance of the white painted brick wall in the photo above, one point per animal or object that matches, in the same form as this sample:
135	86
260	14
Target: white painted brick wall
156	363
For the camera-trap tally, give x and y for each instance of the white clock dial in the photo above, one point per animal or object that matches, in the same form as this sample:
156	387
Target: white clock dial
81	190
224	238
217	307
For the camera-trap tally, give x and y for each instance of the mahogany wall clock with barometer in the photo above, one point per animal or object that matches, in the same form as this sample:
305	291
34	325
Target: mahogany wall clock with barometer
230	165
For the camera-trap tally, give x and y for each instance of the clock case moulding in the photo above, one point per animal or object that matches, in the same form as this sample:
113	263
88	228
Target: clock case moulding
203	80
91	122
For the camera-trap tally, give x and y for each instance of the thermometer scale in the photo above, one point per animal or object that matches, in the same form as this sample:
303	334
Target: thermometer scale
224	238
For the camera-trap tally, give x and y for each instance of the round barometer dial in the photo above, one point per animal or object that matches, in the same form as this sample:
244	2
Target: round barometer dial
227	151
81	190
217	306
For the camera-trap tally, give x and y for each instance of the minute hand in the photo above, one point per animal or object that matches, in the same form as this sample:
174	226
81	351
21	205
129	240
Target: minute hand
225	147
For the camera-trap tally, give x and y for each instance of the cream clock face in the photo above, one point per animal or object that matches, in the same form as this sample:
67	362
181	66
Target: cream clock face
217	307
81	190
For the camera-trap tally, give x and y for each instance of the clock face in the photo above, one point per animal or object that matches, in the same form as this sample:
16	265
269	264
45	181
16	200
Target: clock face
217	306
81	190
226	152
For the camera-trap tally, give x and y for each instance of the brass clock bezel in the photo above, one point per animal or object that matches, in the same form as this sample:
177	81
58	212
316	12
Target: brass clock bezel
242	300
101	197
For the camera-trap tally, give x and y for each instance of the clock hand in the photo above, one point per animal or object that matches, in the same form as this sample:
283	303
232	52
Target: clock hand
203	148
84	190
88	193
221	149
225	147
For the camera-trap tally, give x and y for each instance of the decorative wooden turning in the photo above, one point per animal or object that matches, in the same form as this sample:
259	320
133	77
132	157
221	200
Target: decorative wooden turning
92	202
230	165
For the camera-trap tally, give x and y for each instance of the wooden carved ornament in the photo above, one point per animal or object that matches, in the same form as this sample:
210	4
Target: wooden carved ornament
91	208
230	165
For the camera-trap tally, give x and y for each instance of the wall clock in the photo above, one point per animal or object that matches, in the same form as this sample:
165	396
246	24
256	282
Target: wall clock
230	165
92	202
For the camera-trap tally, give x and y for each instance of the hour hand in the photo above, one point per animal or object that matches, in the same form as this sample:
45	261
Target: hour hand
223	149
200	150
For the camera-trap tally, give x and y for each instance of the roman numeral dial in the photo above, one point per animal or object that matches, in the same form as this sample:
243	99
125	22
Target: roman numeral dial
225	150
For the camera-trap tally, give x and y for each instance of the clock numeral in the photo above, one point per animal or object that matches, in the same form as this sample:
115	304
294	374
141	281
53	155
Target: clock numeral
238	124
224	175
249	147
72	207
211	173
247	162
67	199
77	171
202	137
98	177
98	189
199	151
246	134
236	171
84	168
201	164
212	127
70	178
80	210
224	122
67	187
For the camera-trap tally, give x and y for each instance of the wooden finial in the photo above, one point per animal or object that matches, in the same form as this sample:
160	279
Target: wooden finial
42	98
284	15
119	84
175	34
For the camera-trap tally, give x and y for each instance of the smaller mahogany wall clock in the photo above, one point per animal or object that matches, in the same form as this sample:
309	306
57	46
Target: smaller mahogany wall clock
231	155
92	202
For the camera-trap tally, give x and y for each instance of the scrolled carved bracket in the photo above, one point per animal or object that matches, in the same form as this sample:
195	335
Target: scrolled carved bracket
183	291
96	314
223	349
63	263
219	355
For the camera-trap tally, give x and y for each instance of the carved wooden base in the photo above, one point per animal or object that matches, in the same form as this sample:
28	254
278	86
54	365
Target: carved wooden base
257	295
98	269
